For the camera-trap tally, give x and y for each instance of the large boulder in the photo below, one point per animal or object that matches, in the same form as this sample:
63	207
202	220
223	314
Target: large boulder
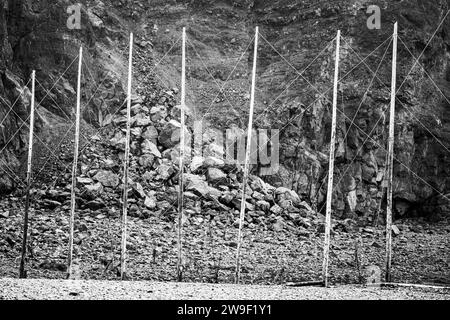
216	176
199	186
283	193
151	134
169	136
196	163
107	178
148	147
165	171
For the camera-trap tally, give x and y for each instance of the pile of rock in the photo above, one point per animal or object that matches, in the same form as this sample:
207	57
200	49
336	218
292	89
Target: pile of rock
212	186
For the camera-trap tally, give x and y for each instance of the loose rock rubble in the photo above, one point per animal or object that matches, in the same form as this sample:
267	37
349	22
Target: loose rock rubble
211	184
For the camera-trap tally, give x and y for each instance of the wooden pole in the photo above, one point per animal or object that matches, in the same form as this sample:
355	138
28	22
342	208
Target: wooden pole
181	175
247	157
22	271
391	159
411	285
123	251
75	166
326	249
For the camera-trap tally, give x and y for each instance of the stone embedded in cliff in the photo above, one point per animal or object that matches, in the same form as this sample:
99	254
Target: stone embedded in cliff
303	185
107	178
402	206
380	175
6	184
216	176
368	173
94	19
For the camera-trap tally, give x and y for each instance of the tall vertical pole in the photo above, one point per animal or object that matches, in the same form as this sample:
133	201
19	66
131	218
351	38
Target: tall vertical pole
247	158
123	252
182	142
22	271
391	159
326	248
75	166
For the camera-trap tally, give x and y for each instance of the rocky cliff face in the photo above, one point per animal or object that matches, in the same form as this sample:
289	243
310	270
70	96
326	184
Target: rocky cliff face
299	31
34	36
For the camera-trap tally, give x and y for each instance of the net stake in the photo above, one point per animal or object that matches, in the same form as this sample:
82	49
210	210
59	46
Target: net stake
247	158
22	271
326	248
123	251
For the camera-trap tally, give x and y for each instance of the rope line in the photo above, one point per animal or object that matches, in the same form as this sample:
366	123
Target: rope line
210	74
222	88
298	76
367	90
12	106
423	69
405	166
406	108
160	60
423	51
